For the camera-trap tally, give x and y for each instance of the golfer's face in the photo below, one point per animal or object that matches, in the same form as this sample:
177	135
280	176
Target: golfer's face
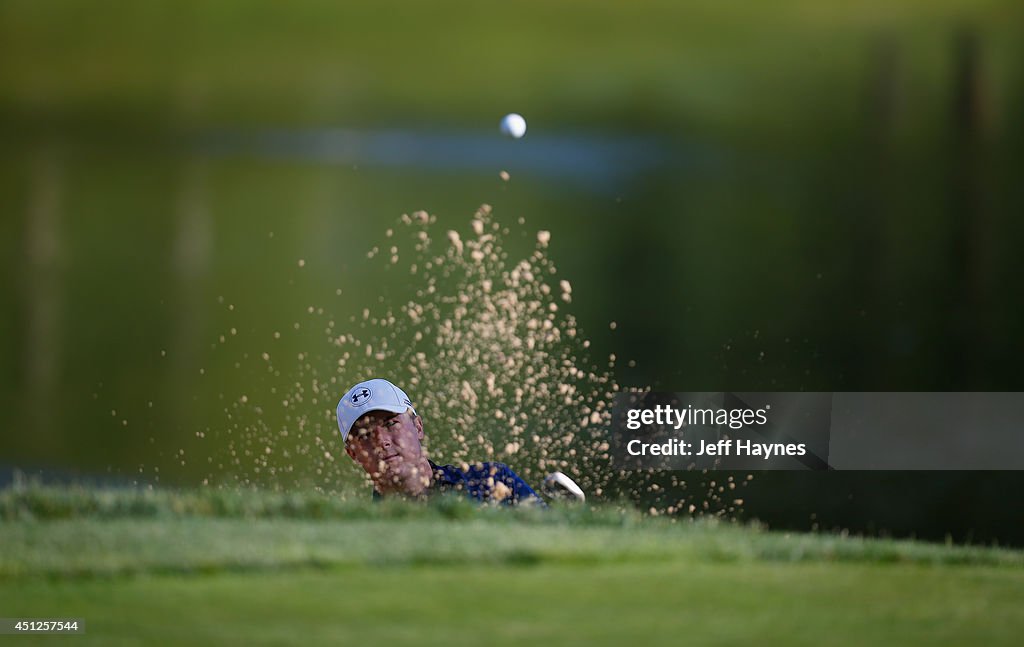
387	445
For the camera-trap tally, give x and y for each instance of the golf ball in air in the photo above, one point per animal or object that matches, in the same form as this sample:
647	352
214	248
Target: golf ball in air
513	125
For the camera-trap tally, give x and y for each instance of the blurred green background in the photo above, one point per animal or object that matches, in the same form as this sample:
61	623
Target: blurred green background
795	196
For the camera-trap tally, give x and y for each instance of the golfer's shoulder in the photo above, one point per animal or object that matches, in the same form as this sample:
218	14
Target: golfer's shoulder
475	471
490	468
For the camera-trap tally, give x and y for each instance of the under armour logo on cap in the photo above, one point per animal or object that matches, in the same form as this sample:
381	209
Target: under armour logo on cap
361	397
371	395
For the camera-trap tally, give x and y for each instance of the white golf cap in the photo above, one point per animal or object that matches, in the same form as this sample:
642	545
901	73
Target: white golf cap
371	395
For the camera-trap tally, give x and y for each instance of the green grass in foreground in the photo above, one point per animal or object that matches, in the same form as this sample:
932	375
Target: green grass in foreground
676	602
214	567
91	532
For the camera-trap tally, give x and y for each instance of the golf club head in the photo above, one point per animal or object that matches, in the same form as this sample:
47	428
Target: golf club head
558	486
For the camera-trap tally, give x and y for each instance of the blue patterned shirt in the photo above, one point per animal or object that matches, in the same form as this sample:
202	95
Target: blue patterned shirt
484	482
